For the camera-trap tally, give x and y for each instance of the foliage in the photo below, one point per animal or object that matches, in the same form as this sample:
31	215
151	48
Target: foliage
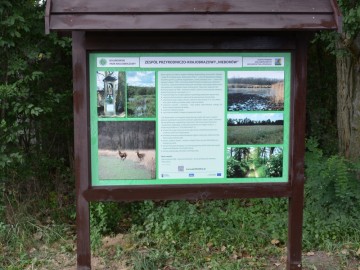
274	166
199	234
141	101
236	168
351	13
253	81
333	179
104	219
35	131
322	98
332	198
32	97
351	28
36	168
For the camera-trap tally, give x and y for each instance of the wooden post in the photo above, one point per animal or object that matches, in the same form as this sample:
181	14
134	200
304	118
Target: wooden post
81	149
298	117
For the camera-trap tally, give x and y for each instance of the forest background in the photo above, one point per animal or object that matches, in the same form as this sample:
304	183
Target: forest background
37	203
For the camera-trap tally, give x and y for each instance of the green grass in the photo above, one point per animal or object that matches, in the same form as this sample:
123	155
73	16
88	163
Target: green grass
272	134
111	167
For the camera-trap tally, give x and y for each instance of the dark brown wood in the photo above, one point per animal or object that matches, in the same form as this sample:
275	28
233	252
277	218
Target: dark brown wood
338	16
189	41
191	6
186	192
218	22
297	177
81	149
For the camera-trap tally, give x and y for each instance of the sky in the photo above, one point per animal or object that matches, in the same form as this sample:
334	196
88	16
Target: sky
140	78
100	77
258	116
257	74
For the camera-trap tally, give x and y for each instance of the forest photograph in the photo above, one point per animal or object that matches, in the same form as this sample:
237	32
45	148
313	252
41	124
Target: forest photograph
255	90
110	88
141	96
126	150
255	128
254	162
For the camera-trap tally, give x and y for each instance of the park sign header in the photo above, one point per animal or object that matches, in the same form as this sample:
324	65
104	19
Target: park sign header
189	118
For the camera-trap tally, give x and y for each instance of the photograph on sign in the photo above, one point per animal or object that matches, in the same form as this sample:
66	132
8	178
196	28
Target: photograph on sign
255	90
110	88
189	118
126	150
141	99
258	162
255	128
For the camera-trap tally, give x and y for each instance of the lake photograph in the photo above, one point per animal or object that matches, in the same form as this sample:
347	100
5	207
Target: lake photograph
255	90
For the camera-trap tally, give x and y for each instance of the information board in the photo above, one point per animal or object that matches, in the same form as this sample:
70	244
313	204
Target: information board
189	118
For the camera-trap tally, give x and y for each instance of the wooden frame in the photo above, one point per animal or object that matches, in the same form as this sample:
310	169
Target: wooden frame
153	15
85	42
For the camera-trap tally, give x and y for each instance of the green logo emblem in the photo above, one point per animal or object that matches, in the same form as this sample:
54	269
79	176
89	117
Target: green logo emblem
103	62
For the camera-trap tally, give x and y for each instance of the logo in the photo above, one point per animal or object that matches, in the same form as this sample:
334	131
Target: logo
278	62
218	174
191	174
103	62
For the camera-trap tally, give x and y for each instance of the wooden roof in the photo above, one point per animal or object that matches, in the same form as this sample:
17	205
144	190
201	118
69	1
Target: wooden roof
274	15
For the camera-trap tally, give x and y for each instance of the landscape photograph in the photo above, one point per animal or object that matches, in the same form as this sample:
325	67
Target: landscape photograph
254	162
255	90
126	150
255	128
141	96
110	87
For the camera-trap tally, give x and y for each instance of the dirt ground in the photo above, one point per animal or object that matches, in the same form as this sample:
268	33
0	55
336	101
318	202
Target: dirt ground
63	257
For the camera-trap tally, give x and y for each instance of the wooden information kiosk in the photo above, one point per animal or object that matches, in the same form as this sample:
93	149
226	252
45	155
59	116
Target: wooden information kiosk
188	91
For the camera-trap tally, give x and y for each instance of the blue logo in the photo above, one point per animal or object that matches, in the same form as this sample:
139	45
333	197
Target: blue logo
218	174
191	174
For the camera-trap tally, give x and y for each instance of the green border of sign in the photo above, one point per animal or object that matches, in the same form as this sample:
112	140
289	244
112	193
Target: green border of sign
94	119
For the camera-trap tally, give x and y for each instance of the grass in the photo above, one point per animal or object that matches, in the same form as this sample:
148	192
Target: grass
223	234
272	134
180	235
112	167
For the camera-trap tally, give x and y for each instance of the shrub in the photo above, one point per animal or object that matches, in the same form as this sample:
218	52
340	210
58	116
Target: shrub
274	166
332	199
236	168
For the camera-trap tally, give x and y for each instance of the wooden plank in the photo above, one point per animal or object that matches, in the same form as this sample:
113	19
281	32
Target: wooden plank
297	153
189	41
337	15
190	192
81	150
192	22
191	6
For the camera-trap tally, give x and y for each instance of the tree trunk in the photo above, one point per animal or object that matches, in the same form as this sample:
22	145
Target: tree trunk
348	100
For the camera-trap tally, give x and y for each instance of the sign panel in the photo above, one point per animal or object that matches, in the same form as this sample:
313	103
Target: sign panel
189	118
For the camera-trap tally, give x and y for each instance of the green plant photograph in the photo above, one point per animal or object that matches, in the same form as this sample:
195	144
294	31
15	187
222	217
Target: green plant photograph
255	128
258	162
141	96
37	167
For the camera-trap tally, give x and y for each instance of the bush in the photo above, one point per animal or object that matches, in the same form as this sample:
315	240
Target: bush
236	168
332	199
274	166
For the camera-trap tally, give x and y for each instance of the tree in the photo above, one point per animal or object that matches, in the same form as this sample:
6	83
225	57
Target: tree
35	92
348	97
347	48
